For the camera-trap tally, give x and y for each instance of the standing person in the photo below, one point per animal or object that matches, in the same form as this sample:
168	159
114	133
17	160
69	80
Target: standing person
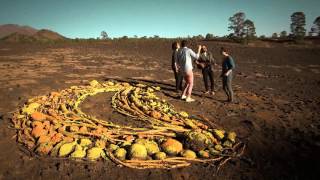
228	66
205	63
185	57
174	65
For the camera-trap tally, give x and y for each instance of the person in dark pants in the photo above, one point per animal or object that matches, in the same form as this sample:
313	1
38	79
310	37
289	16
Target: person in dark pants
205	63
178	76
228	66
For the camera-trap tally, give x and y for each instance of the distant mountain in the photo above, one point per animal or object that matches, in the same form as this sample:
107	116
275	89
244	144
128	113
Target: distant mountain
28	34
45	34
8	29
17	37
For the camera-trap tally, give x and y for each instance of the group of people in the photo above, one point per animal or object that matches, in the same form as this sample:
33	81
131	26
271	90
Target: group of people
183	59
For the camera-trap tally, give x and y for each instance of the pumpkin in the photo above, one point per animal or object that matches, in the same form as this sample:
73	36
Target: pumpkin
74	128
120	153
85	142
112	147
57	138
43	139
46	125
232	136
83	129
38	131
37	123
219	133
172	146
138	151
188	154
151	146
79	152
160	155
100	143
155	114
66	149
37	116
44	148
204	154
94	153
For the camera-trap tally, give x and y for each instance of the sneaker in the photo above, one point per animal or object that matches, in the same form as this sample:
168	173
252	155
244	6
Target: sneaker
189	99
207	92
183	97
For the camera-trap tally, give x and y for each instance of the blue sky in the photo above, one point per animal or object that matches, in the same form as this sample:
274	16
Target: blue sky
166	18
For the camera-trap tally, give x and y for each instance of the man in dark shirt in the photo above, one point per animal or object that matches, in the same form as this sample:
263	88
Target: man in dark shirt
205	63
178	76
228	66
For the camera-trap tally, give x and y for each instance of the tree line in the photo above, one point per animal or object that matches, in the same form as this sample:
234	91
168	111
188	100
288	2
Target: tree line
244	30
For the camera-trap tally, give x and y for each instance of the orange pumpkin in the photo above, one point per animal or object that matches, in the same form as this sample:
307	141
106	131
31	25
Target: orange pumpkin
37	116
37	124
68	139
46	125
62	129
38	131
57	138
172	146
44	148
44	139
83	129
129	138
155	114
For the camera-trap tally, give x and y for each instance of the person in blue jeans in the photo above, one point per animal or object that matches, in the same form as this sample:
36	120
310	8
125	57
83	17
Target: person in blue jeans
228	66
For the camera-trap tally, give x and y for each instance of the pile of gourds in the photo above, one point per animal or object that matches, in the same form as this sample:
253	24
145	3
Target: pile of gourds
53	125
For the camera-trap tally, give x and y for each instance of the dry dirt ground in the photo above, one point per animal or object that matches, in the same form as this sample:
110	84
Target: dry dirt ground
276	112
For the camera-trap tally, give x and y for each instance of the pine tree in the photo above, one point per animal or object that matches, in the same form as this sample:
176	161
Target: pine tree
315	30
283	34
104	35
248	29
237	24
298	20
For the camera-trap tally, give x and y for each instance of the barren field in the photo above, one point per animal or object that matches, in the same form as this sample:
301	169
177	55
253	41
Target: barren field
276	112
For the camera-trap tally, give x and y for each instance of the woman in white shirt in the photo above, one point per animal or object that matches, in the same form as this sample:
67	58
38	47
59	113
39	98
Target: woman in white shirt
185	57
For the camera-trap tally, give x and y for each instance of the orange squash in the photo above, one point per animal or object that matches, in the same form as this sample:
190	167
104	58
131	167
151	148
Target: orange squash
83	129
172	146
46	125
43	139
68	139
38	131
38	116
37	124
62	129
57	138
44	148
129	138
155	114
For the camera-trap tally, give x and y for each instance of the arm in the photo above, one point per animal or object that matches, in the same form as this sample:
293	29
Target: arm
198	61
232	66
194	55
176	64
